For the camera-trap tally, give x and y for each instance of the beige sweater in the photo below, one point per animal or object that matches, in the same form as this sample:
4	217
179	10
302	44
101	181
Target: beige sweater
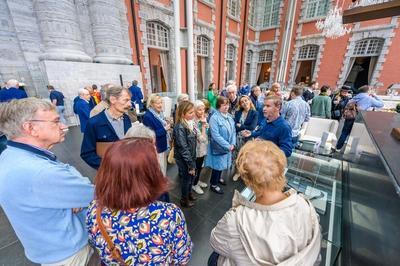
285	233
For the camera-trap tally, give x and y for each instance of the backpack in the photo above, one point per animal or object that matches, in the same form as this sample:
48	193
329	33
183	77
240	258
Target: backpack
350	110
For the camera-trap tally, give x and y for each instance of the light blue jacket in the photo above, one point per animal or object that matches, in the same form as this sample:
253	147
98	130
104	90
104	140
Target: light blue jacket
222	130
365	101
37	194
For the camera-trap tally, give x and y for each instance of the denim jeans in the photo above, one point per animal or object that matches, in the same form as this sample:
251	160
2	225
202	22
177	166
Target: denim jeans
185	177
60	111
347	127
215	177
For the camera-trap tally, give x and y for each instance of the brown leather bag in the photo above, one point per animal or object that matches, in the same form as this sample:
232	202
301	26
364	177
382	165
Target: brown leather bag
115	253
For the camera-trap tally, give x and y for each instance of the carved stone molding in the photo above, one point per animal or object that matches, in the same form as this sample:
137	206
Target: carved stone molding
60	31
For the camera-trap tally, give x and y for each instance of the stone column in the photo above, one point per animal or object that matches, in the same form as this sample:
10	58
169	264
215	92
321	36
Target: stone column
60	32
107	32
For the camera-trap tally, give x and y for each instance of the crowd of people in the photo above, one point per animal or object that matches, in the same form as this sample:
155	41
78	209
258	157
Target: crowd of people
126	216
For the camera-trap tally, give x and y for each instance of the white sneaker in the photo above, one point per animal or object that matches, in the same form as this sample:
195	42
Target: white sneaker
198	189
202	184
236	177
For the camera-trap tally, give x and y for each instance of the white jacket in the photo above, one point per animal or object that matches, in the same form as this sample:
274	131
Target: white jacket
285	233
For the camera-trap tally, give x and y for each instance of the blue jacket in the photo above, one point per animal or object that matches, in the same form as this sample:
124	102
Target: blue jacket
245	90
365	101
7	95
277	131
222	131
82	109
37	196
149	120
250	123
137	96
99	129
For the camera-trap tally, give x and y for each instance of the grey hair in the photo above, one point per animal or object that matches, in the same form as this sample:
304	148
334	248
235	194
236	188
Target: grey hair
140	131
198	103
182	96
82	91
104	88
115	91
230	82
12	83
16	112
233	87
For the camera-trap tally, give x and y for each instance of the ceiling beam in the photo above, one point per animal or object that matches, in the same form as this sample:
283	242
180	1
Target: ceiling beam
376	11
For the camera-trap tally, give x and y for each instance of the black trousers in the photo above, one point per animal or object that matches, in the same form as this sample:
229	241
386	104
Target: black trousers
185	177
199	166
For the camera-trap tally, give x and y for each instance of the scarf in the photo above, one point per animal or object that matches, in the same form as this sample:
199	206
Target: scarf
159	116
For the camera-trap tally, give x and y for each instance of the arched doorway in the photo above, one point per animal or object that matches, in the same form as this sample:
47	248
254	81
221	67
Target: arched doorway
264	66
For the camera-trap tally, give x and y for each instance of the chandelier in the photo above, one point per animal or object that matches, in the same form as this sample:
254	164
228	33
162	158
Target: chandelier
332	27
367	3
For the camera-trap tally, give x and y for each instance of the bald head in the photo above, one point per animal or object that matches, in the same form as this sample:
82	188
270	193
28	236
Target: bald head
12	83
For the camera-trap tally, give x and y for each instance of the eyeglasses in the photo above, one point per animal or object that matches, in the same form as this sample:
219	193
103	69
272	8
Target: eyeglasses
50	121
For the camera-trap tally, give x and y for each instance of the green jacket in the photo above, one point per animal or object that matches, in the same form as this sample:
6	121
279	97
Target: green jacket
212	99
321	106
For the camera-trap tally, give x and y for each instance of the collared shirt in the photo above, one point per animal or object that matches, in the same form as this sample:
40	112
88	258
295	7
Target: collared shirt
296	112
277	131
39	194
117	124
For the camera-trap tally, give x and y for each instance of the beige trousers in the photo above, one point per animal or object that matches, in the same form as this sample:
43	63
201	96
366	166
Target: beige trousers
80	258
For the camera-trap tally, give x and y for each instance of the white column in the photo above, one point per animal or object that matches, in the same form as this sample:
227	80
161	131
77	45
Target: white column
108	32
190	58
286	42
177	47
61	37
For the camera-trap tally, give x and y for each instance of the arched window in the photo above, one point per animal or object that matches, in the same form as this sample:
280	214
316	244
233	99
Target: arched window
203	45
157	35
316	8
308	52
368	47
230	62
249	57
265	56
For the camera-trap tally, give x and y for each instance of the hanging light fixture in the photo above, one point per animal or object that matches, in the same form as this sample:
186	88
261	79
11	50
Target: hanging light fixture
332	27
359	3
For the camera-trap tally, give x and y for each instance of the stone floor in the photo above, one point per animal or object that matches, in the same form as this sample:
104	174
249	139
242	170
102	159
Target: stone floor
201	219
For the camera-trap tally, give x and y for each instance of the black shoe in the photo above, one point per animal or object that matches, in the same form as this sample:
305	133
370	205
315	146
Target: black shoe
222	182
186	203
217	189
192	197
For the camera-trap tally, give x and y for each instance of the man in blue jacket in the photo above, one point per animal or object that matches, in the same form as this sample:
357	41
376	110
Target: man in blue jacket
137	95
108	126
44	199
82	108
12	92
274	127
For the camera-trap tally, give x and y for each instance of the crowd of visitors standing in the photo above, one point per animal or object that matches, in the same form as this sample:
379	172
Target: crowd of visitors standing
126	217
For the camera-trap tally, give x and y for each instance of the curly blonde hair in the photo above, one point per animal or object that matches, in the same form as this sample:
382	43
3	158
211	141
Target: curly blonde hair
261	165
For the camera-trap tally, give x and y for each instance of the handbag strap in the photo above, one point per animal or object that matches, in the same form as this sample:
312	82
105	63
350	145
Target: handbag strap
115	253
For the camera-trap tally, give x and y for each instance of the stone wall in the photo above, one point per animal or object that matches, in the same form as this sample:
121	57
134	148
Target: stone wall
46	41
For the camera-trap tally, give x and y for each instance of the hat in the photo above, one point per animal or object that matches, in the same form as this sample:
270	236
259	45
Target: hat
345	88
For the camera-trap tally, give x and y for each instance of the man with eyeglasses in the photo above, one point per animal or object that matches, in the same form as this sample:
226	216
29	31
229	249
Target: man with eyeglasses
43	198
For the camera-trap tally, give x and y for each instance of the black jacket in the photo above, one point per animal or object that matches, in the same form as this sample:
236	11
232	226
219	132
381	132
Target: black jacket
308	95
250	123
185	145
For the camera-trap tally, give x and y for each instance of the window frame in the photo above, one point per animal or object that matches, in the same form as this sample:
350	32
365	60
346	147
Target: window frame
230	47
233	6
370	47
265	56
203	46
160	33
308	50
317	7
271	16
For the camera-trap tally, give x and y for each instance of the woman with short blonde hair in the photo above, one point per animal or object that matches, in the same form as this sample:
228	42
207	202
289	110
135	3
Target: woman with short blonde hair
278	228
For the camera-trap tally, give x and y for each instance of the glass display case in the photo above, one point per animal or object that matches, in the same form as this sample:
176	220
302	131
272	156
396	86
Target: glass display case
355	193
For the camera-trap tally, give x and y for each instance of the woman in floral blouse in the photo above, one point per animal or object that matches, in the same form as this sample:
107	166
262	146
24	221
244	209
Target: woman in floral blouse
143	231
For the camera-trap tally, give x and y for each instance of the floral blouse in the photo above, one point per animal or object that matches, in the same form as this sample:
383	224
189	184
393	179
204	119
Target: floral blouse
152	235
